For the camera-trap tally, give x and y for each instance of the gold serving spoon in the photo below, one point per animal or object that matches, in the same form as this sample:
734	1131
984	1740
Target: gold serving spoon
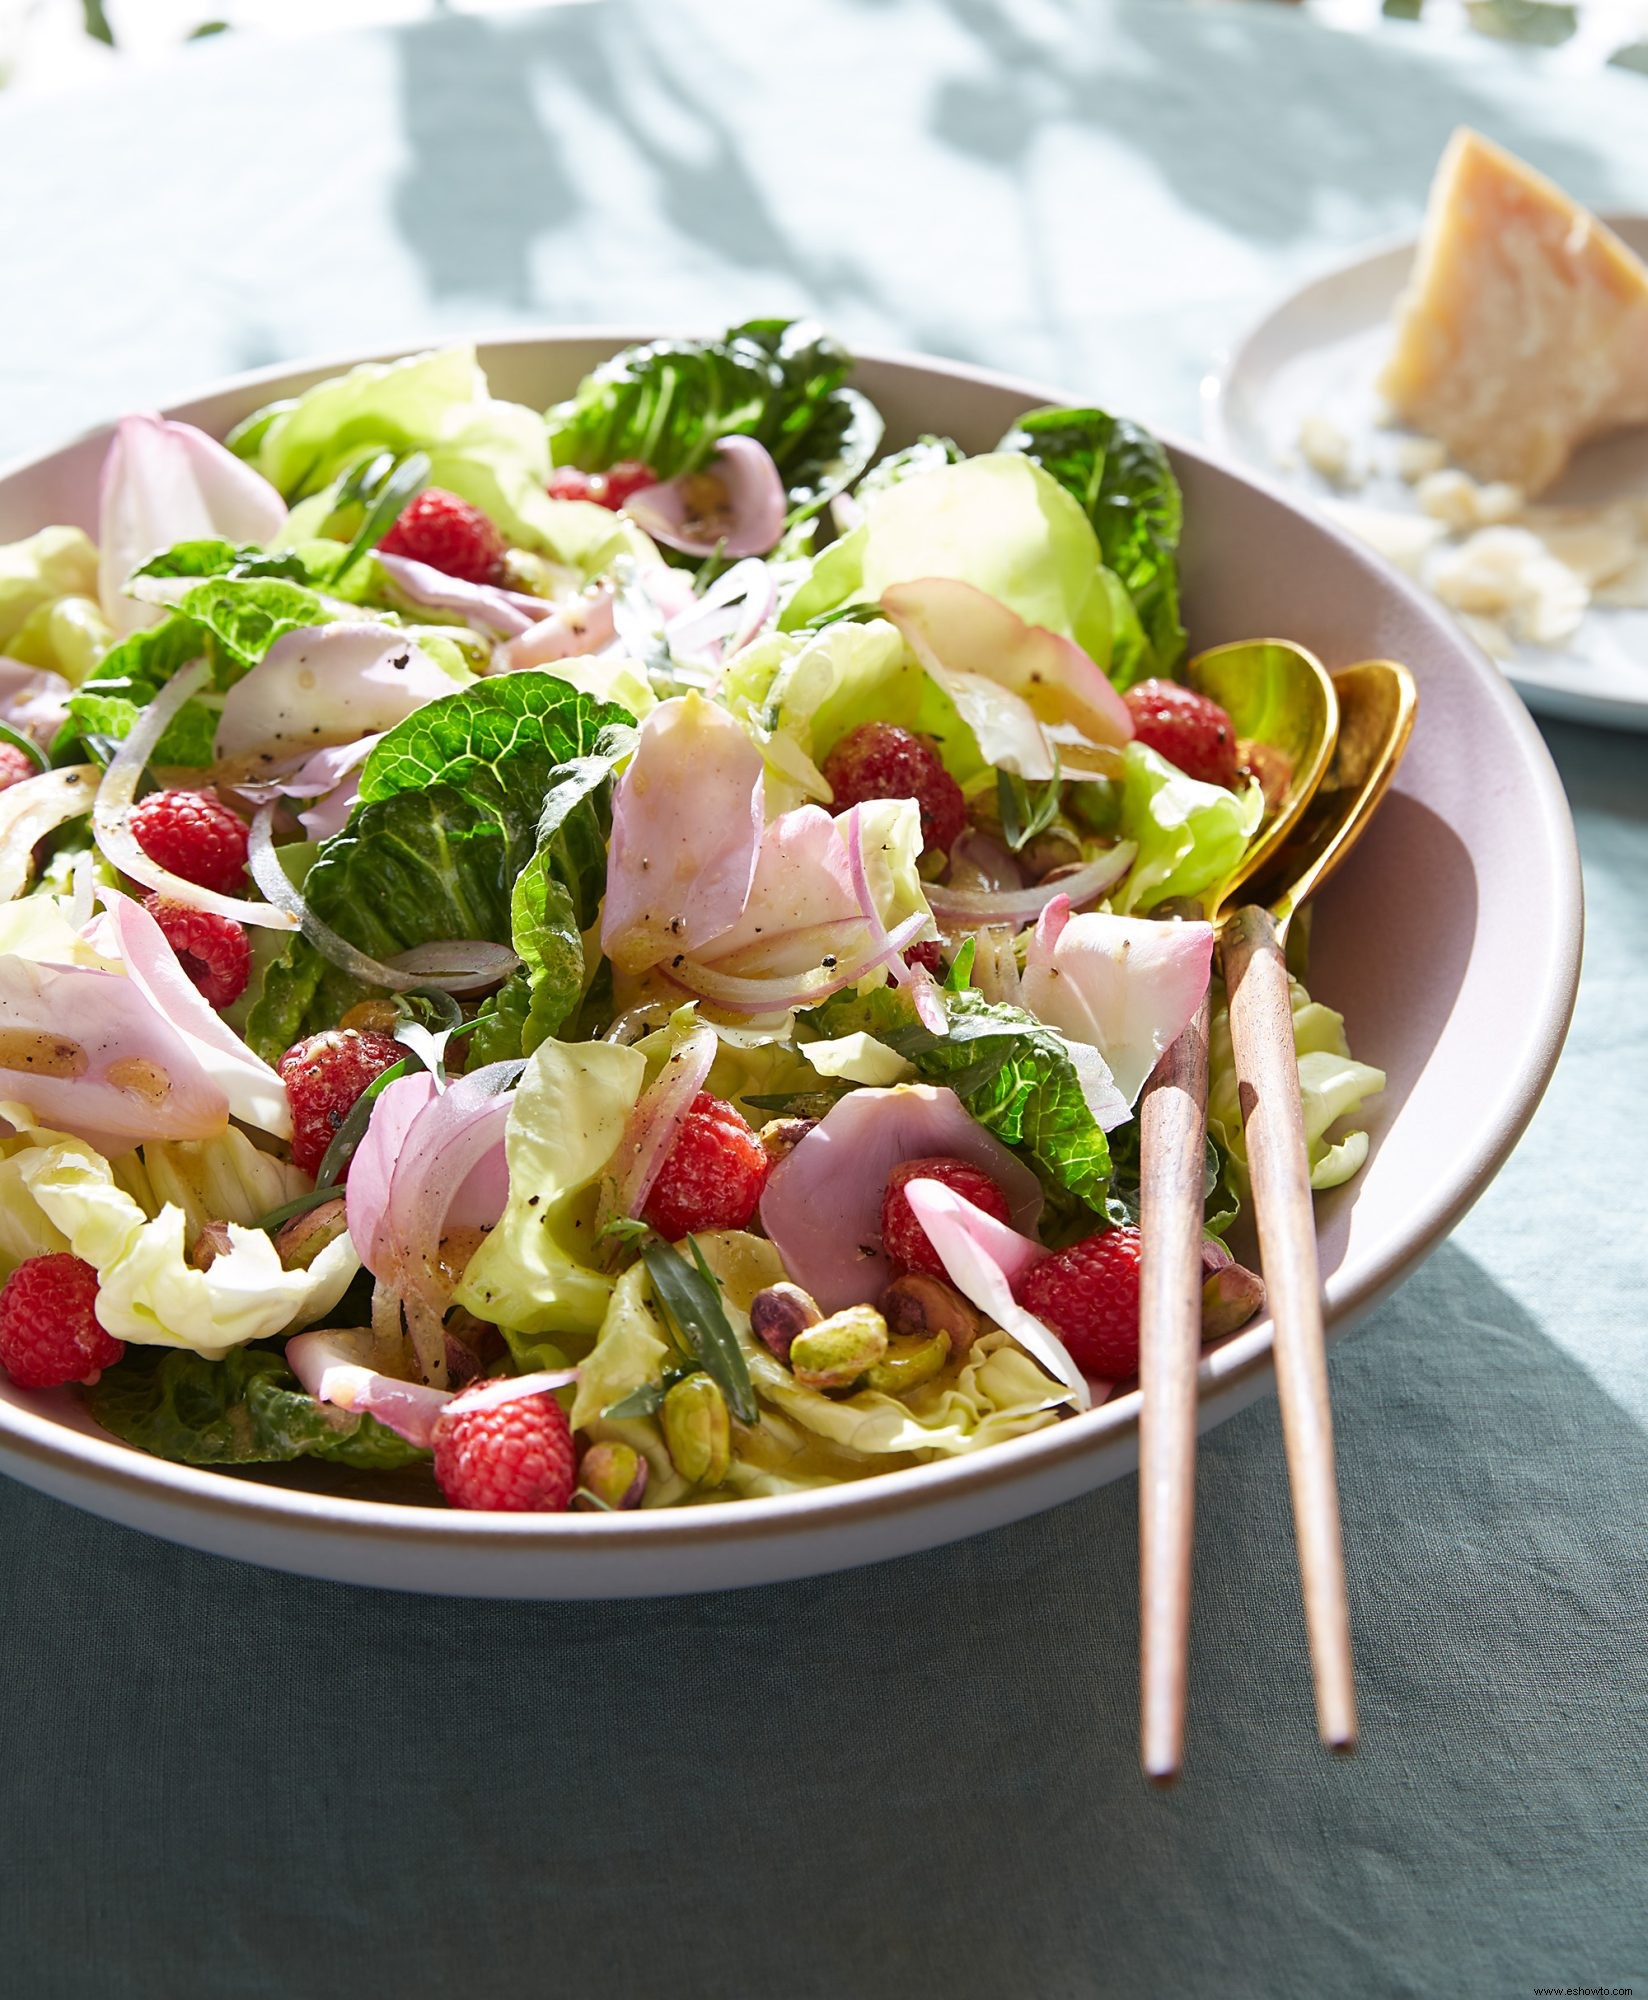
1326	812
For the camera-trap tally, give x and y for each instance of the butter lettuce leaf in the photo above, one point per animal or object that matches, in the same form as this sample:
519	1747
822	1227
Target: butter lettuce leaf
998	522
49	614
1121	477
148	1292
537	1270
492	453
1189	835
246	1409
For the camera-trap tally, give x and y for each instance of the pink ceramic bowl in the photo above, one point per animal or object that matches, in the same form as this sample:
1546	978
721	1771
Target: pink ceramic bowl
1450	940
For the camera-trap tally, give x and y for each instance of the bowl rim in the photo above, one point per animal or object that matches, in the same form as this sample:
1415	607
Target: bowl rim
1228	1376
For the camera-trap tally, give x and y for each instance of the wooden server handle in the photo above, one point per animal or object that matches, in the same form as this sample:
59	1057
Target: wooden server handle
1172	1145
1261	1033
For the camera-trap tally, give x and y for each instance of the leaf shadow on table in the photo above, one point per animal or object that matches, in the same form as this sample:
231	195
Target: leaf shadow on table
1195	90
560	100
915	1779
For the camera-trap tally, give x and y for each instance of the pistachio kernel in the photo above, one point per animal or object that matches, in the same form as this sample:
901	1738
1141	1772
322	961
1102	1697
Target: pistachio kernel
379	1017
697	1430
615	1475
780	1136
779	1313
299	1241
836	1352
1057	847
909	1363
915	1306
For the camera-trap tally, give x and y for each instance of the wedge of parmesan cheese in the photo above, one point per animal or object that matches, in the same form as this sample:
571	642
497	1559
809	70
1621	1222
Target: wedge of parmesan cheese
1524	328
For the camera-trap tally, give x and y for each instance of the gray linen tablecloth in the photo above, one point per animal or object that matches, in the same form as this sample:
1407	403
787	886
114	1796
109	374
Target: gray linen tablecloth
918	1779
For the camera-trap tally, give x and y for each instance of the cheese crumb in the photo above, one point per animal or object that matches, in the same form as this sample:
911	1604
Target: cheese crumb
1327	450
1417	458
1455	497
1508	573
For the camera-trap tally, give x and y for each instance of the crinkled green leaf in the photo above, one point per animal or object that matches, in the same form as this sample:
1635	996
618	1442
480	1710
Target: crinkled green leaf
1221	1203
413	868
216	558
246	614
246	1409
668	402
129	676
1015	1076
505	742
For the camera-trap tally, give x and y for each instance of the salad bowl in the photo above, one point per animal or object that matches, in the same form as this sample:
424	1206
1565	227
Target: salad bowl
1450	940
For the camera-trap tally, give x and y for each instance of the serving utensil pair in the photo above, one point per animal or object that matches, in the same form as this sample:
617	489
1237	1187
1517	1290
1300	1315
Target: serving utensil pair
1344	735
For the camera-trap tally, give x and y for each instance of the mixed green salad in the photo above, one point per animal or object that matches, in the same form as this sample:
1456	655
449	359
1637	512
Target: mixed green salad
608	954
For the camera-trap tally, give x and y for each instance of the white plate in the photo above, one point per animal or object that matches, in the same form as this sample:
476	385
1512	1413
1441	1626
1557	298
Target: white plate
1450	938
1320	350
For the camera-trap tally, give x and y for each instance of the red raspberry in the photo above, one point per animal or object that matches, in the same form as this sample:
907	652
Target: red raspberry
511	1458
195	835
712	1176
49	1331
1185	728
606	489
1089	1296
324	1074
15	765
213	950
447	533
902	1237
878	760
623	481
928	955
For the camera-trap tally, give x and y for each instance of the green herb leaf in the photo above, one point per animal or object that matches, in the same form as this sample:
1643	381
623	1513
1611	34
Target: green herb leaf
645	1401
960	975
30	749
384	496
691	1301
245	615
1023	816
128	678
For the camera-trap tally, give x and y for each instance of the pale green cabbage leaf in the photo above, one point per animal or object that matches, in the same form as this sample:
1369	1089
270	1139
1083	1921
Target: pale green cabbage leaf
49	614
998	522
491	453
1332	1085
537	1271
1189	835
148	1292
